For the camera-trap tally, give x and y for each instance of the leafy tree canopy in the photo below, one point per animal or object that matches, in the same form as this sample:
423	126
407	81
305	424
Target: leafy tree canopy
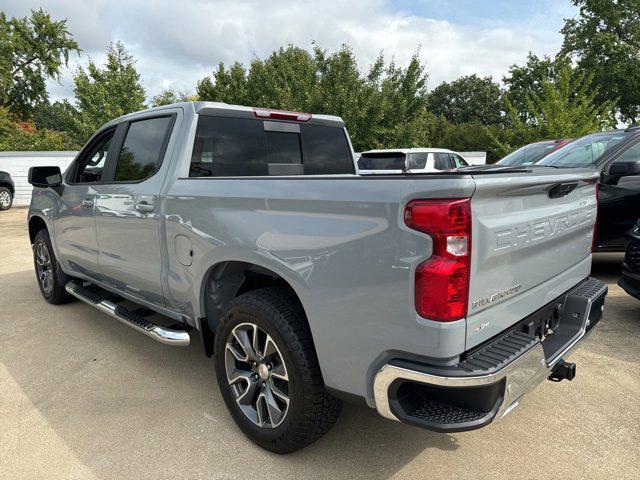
32	49
469	99
103	94
604	39
526	80
169	96
317	81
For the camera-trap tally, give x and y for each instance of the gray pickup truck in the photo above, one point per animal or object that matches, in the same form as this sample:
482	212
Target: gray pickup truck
437	299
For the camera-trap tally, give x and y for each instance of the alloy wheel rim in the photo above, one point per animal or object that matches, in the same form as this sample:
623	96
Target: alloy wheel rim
43	262
5	199
257	375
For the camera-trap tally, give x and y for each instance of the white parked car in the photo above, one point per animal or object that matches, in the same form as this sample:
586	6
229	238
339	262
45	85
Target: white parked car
409	160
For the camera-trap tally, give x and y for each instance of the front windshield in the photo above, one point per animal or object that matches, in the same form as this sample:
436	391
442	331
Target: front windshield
514	158
528	154
585	151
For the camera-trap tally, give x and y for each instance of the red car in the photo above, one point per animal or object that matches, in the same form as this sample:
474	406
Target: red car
533	152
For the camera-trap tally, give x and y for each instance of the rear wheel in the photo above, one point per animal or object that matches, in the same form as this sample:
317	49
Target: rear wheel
51	279
6	198
268	372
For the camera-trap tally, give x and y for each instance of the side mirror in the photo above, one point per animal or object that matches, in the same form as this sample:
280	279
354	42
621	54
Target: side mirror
624	169
45	177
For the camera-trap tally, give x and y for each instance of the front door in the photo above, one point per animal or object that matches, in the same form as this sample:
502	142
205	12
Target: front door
75	228
618	203
128	211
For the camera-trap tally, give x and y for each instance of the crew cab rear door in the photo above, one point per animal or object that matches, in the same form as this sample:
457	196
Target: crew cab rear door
531	241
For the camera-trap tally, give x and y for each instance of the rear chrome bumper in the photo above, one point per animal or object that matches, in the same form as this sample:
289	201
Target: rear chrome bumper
505	382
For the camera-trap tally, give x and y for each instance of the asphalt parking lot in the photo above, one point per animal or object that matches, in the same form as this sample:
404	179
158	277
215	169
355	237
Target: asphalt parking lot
82	396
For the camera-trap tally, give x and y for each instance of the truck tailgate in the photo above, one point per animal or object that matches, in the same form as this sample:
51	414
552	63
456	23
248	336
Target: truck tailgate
530	233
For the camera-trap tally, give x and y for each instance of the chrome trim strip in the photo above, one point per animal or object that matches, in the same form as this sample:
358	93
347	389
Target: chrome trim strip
168	336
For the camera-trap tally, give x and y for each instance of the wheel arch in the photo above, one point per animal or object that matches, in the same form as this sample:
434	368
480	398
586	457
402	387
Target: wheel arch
226	280
9	186
36	223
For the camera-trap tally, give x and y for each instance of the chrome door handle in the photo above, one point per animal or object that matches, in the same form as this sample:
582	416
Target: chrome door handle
144	207
87	203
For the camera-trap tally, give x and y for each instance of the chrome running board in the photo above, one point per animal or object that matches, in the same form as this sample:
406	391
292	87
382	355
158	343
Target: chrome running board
168	336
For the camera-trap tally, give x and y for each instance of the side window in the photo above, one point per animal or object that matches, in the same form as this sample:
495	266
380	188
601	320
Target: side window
442	161
417	161
458	161
630	155
228	147
142	148
325	150
91	165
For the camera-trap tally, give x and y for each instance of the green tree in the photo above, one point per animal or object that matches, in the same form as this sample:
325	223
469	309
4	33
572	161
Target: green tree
228	85
605	41
103	94
468	99
318	81
20	136
32	49
58	116
169	96
566	108
523	81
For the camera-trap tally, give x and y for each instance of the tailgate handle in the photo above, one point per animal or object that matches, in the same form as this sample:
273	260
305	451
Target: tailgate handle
562	189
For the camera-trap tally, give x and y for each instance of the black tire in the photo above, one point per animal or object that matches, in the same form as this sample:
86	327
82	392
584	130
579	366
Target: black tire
312	411
4	192
53	292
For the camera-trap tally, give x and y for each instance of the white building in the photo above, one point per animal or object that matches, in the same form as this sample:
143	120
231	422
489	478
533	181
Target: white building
474	158
17	165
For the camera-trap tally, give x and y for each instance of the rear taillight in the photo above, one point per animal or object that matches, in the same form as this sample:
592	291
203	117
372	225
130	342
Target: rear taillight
442	281
282	115
595	222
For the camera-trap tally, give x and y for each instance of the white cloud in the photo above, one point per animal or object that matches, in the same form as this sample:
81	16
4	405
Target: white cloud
176	43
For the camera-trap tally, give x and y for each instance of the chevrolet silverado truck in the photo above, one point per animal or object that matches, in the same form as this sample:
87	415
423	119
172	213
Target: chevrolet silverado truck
438	299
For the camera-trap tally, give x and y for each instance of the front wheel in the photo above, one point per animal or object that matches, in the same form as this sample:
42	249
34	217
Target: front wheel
6	198
51	279
268	373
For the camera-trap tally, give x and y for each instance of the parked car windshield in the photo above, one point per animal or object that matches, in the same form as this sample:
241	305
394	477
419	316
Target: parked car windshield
514	158
382	161
528	154
585	151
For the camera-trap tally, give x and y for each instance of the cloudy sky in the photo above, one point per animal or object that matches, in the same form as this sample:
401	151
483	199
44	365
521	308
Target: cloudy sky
177	42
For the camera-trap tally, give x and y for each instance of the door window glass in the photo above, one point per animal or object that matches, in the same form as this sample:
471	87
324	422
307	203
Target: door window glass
140	154
631	155
458	161
91	165
442	161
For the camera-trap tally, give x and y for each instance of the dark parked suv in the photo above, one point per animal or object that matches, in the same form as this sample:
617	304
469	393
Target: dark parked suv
630	281
7	190
616	155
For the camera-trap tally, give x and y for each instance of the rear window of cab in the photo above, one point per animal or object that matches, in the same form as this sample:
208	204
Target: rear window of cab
226	146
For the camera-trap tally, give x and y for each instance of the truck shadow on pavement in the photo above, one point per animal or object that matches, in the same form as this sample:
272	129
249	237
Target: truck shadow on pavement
120	401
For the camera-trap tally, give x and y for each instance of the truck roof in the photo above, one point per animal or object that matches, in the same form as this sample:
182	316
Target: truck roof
236	110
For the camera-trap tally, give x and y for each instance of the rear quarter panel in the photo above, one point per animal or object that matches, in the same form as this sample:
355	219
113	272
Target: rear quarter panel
340	243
